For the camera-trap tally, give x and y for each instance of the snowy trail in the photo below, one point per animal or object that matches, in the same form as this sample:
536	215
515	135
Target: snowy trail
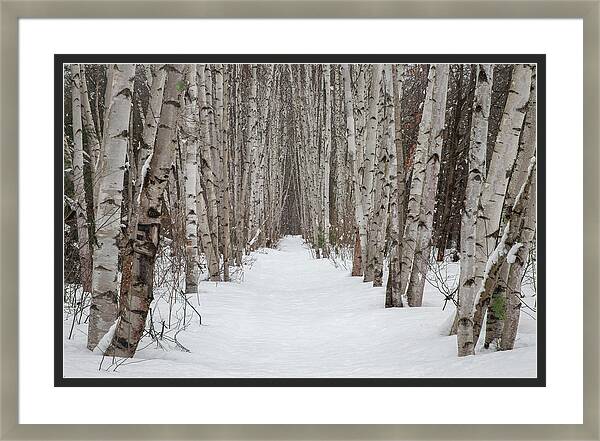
296	316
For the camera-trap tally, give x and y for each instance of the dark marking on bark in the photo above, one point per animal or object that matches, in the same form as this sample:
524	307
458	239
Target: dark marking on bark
482	76
153	213
126	92
121	342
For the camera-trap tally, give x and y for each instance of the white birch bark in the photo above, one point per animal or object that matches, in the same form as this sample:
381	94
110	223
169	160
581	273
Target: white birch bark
369	161
85	258
223	79
91	134
514	279
326	157
103	309
189	136
236	154
514	235
503	157
394	297
265	119
252	155
212	159
527	149
360	116
357	269
151	120
209	179
470	275
108	100
500	168
212	260
409	245
384	171
414	291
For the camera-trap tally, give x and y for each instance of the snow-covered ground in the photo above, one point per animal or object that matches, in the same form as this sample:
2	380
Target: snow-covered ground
296	316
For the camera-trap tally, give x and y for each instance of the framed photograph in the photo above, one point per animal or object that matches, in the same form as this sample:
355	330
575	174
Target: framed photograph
301	231
273	192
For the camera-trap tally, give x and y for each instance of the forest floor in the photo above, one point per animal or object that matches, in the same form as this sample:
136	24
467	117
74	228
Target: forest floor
296	316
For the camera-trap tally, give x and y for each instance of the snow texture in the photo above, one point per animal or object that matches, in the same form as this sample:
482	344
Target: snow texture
532	163
512	253
104	342
145	168
296	316
254	238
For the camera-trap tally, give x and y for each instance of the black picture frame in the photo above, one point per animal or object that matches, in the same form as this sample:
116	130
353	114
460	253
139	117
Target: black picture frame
61	59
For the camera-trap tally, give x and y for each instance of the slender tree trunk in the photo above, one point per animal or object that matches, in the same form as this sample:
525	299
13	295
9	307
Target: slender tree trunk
238	165
99	168
394	296
212	155
103	309
326	158
527	149
409	246
470	275
251	159
369	164
386	155
190	141
212	260
360	248
150	127
209	179
361	118
92	137
85	258
432	170
226	216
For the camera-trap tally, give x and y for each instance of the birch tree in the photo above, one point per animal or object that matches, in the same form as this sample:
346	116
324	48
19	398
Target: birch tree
151	121
379	219
394	297
85	258
469	274
92	136
326	158
190	141
369	160
360	253
225	178
501	164
414	291
103	309
507	332
515	233
251	159
208	204
416	188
